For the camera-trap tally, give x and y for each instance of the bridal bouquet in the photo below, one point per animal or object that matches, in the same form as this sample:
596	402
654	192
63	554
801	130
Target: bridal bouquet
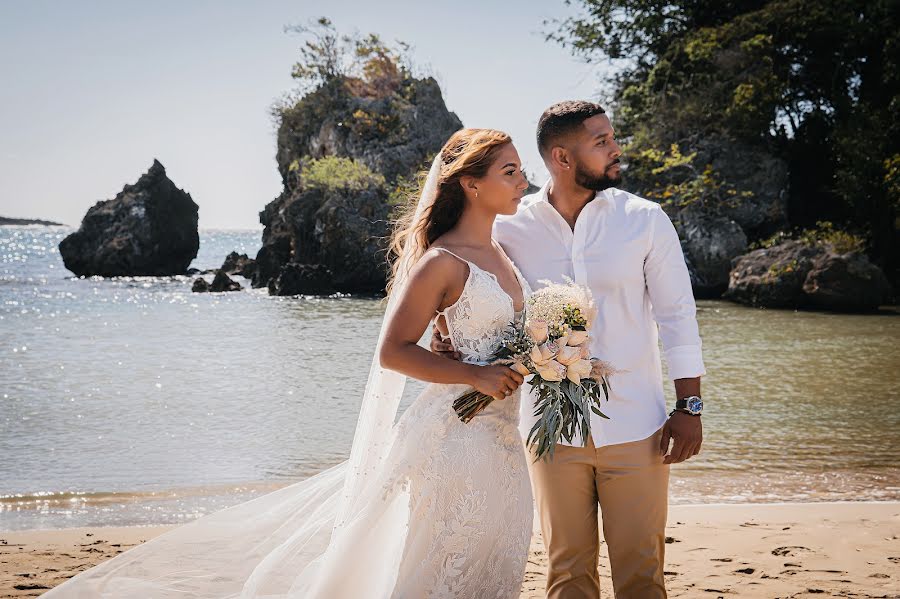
552	345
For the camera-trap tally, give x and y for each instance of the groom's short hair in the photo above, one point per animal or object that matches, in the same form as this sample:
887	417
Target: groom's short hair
562	119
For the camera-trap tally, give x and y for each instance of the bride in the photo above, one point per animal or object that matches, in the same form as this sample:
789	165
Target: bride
426	507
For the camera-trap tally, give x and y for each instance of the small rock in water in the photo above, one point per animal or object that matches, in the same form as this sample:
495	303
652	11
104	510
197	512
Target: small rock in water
200	285
223	282
239	264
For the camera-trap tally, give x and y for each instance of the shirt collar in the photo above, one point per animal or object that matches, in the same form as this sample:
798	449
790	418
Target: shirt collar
601	197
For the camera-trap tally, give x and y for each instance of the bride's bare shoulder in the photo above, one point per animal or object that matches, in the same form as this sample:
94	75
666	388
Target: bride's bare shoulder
442	272
441	262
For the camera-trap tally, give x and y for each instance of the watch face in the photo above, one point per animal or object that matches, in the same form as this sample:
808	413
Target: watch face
695	405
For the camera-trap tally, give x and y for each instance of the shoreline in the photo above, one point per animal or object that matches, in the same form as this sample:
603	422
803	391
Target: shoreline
672	506
834	548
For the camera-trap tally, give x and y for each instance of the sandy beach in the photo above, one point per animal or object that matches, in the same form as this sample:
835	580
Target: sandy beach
760	550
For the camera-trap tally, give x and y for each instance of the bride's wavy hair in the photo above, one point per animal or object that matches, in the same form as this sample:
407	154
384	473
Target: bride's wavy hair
468	152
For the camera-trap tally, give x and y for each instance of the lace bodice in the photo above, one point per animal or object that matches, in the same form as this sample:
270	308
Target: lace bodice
477	319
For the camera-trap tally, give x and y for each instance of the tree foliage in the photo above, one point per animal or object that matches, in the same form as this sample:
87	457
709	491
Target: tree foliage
816	83
368	64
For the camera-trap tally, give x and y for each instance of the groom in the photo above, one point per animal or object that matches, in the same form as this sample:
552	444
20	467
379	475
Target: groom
625	249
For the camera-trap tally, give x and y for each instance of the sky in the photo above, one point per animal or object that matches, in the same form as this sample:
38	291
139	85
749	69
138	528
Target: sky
92	91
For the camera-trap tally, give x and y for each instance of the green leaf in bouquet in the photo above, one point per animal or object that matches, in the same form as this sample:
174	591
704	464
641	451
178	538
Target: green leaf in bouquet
537	431
554	385
597	411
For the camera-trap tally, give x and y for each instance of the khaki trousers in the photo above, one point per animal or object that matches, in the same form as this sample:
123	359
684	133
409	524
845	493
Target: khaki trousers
630	483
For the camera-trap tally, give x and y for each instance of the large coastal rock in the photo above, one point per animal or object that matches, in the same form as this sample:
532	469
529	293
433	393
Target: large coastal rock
797	274
846	282
709	242
392	132
342	155
302	279
149	228
759	178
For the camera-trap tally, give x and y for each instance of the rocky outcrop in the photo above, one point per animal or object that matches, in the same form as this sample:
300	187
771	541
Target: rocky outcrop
759	179
797	274
721	194
302	279
239	264
341	154
149	228
846	283
221	282
391	133
338	227
710	242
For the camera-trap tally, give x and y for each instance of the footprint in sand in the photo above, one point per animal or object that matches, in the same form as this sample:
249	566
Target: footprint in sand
788	550
829	571
29	587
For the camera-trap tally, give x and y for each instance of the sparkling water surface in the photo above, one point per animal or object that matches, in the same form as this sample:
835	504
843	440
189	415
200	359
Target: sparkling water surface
135	401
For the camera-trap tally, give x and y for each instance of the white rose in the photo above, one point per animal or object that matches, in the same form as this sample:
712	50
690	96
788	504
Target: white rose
569	355
552	371
549	350
577	337
537	330
579	370
520	368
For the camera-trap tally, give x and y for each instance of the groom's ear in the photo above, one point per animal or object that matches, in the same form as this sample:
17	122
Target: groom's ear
560	158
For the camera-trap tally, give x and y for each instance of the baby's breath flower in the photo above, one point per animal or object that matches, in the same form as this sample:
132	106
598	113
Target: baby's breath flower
562	306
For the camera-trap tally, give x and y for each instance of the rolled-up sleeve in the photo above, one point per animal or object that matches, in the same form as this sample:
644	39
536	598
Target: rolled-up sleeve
672	299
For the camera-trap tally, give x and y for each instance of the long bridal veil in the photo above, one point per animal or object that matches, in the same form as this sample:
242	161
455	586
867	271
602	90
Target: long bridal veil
310	539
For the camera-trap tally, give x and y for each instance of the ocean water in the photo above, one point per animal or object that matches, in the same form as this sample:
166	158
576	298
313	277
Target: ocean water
134	401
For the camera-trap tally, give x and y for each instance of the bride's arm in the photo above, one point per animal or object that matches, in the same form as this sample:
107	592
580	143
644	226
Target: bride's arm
425	291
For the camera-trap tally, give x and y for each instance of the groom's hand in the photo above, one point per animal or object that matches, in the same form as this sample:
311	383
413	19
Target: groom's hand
441	347
687	432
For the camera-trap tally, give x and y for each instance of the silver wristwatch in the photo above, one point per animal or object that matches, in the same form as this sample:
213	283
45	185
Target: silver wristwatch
692	405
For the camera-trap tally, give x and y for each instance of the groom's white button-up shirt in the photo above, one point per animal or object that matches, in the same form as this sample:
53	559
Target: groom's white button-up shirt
625	249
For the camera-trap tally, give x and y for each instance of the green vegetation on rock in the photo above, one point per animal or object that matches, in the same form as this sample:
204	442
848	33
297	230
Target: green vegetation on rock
336	173
824	233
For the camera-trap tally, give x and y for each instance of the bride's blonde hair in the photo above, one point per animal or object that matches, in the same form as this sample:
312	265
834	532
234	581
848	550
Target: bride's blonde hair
468	152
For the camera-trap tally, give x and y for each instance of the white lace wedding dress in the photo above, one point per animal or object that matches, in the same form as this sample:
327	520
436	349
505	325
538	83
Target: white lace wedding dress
448	513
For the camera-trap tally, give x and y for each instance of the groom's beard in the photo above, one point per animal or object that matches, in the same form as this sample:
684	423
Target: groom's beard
597	182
